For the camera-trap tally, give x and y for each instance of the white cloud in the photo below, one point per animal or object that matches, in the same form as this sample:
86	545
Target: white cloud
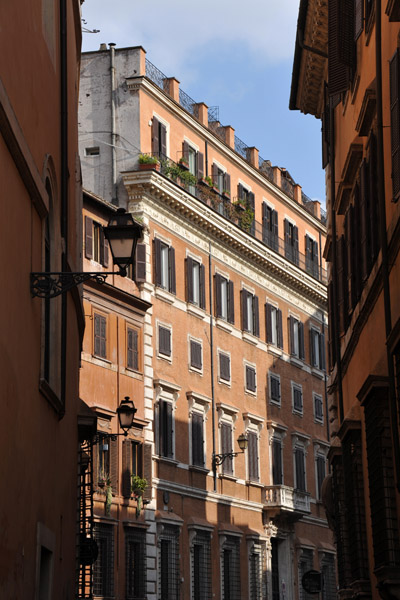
174	32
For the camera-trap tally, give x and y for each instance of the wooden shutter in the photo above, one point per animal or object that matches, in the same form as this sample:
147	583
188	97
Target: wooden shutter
132	349
197	440
195	354
331	329
189	279
313	333
88	237
268	322
166	431
218	281
291	334
157	261
357	263
155	137
164	340
104	254
301	341
252	453
338	75
227	183
140	263
295	244
286	225
251	201
265	222
148	469
250	379
279	331
97	335
275	388
214	174
100	336
274	219
226	443
395	121
358	18
185	151
300	473
171	270
202	276
114	465
325	129
373	195
200	165
365	265
243	302
342	284
256	317
126	468
163	140
231	303
277	475
224	367
322	351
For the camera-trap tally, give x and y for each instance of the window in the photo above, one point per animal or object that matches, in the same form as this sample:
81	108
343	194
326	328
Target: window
195	278
300	469
96	245
274	388
230	568
164	341
221	180
250	318
196	355
168	563
201	566
197	431
296	333
132	349
305	564
103	461
103	568
327	567
291	242
226	430
311	256
317	349
224	367
270	227
100	340
318	408
165	428
158	139
92	151
252	456
135	564
256	571
132	464
164	263
277	465
320	462
273	321
194	159
224	298
247	201
297	398
250	379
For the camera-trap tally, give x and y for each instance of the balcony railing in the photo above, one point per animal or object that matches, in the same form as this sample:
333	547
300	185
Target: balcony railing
286	498
238	214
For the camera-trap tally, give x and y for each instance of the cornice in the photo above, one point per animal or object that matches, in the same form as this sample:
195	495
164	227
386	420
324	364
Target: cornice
142	83
140	184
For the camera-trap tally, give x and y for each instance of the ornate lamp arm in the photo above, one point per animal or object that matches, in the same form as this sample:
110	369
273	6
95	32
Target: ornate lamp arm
50	285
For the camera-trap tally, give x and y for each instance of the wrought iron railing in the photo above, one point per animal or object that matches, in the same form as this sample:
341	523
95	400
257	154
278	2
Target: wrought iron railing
86	545
238	215
287	186
213	114
241	147
188	103
309	206
155	74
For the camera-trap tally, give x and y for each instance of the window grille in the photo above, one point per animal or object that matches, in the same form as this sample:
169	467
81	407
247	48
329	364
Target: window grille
86	546
275	569
328	577
168	584
135	564
103	569
305	564
201	566
256	572
230	567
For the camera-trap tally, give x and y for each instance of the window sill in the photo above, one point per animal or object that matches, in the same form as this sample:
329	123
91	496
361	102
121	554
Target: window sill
164	295
254	483
132	373
299	413
47	391
196	311
272	349
250	338
297	362
318	421
102	361
169	461
224	325
197	469
224	382
164	357
317	373
195	370
227	476
251	393
275	402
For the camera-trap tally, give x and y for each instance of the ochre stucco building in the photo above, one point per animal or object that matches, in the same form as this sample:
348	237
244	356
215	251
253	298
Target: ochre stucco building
231	341
346	72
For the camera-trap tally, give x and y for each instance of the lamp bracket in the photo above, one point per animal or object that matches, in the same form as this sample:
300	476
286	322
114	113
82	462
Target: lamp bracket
51	285
218	459
101	437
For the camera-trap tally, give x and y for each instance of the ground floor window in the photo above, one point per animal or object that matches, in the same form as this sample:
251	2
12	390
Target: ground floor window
103	568
201	566
135	564
230	568
168	560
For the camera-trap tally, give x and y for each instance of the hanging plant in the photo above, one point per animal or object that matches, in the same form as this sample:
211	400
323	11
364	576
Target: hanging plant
138	485
108	497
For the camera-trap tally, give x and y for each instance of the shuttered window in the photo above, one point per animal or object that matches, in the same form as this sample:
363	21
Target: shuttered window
318	408
251	385
270	227
311	256
165	429
132	359
252	456
395	122
132	464
341	46
164	341
297	398
139	274
135	564
300	469
164	266
158	139
291	242
321	471
197	440
224	367
196	355
224	298
273	322
275	388
317	349
296	330
250	313
100	347
277	471
226	447
195	282
96	245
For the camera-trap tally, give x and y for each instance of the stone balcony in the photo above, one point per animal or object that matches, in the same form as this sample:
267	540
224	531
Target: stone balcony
285	499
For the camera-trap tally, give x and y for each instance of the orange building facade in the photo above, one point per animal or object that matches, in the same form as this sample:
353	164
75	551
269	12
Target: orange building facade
40	340
228	298
346	72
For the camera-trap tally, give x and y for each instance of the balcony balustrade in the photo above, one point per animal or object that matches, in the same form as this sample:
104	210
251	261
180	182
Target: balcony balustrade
286	499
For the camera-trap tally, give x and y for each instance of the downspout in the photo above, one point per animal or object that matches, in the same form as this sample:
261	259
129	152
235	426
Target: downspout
383	235
114	191
212	365
64	189
325	379
334	260
206	157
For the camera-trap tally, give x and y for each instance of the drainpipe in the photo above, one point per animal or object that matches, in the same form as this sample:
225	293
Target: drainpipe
325	379
334	260
114	192
64	189
212	365
383	235
206	157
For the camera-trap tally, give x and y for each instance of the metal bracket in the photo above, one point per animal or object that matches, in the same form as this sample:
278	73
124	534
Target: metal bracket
51	285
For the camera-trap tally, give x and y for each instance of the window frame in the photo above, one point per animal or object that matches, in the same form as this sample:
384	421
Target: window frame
297	387
219	280
104	318
296	338
160	354
277	377
195	282
250	304
222	353
250	367
199	405
198	342
317	418
135	330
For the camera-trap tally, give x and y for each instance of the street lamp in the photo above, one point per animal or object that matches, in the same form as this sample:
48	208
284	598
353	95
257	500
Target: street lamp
218	459
126	412
122	233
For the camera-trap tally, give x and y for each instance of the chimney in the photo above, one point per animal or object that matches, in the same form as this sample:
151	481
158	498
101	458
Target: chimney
202	113
103	47
229	135
252	156
171	86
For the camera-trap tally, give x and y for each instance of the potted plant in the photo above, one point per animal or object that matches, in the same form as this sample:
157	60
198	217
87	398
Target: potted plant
148	162
138	485
246	220
206	180
184	162
104	479
108	497
226	193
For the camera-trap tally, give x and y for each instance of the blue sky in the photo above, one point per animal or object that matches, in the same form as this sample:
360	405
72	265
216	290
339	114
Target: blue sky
228	53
